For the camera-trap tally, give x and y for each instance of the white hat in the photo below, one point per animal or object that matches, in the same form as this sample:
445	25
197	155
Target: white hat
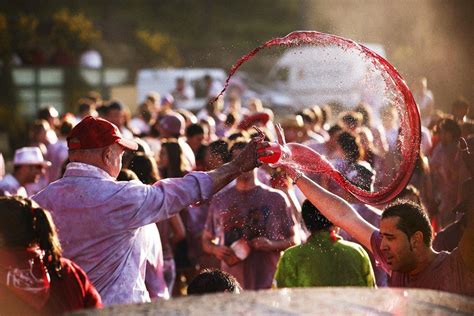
29	156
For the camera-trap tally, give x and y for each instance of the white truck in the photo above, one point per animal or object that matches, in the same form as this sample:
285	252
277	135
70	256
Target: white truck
309	75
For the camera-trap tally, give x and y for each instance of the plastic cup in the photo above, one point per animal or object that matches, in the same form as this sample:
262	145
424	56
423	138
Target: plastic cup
276	149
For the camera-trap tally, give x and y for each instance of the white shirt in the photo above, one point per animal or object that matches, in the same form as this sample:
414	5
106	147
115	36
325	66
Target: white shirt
100	223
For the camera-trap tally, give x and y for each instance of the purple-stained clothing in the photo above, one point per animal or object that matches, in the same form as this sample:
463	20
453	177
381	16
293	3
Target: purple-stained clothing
9	185
154	277
447	272
100	223
258	212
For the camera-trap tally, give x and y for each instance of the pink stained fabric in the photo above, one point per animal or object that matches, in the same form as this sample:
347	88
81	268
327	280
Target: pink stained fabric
100	223
258	212
446	273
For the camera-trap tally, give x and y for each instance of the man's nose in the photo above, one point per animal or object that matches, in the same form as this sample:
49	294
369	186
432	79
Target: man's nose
383	245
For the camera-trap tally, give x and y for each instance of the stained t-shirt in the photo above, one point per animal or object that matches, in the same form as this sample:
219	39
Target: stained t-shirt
258	212
73	291
447	272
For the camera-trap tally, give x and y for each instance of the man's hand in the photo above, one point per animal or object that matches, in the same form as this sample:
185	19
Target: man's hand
226	254
222	252
262	243
245	161
248	158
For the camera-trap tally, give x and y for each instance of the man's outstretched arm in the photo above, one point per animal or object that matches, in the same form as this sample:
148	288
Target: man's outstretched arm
337	210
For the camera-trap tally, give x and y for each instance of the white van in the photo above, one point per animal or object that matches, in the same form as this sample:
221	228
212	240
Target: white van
163	81
309	75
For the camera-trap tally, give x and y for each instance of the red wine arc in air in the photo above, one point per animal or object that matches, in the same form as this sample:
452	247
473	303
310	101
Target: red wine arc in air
309	161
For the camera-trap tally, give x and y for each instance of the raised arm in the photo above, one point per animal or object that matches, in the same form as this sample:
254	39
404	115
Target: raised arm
337	210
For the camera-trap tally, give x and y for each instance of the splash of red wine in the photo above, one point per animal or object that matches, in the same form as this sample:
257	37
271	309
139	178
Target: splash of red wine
307	160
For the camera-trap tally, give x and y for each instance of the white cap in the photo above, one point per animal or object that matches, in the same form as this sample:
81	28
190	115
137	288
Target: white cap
29	156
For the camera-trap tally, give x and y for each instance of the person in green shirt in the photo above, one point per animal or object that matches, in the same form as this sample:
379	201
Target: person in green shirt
325	259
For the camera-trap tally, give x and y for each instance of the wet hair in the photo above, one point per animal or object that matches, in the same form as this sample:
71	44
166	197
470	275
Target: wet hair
193	130
24	224
412	218
145	168
213	281
221	148
350	146
313	218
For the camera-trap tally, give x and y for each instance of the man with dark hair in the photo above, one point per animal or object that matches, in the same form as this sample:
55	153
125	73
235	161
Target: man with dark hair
325	259
214	281
194	136
402	245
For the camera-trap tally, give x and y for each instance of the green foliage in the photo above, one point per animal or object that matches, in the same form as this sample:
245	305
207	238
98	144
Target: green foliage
159	47
73	31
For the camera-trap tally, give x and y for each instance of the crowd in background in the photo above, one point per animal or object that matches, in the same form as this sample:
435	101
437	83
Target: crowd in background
244	228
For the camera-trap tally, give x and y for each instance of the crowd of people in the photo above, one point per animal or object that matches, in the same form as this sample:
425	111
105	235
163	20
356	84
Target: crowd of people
144	207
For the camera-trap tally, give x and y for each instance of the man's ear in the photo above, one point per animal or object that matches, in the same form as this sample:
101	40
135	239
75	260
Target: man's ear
416	239
106	155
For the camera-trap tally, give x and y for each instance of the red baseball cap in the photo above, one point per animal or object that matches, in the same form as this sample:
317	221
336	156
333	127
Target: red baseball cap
94	132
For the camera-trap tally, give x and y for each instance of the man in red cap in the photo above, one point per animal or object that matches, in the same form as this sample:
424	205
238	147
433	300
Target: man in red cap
102	222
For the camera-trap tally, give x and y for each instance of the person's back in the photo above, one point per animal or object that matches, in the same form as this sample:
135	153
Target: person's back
109	249
325	259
